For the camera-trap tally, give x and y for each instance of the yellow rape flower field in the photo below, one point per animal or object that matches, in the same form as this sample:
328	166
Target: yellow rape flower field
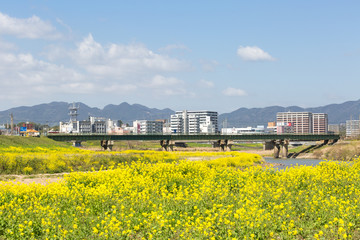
162	195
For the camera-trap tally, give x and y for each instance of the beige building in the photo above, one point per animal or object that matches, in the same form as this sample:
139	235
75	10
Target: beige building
320	123
300	122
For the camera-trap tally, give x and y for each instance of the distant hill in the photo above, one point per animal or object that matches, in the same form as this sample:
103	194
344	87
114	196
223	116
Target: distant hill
54	112
243	117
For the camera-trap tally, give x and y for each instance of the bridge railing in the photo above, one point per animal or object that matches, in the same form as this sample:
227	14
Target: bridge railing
264	137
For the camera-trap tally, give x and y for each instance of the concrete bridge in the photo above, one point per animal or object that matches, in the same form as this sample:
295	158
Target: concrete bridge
278	142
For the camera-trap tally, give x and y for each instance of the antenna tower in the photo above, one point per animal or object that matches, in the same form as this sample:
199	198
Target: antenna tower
73	112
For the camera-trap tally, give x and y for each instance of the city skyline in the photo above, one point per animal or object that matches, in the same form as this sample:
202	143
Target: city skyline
191	55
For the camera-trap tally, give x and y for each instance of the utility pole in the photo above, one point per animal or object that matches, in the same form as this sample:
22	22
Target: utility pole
12	124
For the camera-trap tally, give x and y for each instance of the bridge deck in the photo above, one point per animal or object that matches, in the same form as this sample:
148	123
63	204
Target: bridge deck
243	137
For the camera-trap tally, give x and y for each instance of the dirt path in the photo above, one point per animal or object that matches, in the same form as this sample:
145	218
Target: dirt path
43	179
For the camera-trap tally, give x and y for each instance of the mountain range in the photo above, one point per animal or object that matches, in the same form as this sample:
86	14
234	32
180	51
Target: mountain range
242	117
54	112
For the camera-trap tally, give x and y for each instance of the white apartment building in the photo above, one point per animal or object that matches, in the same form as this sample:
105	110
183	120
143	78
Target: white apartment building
352	128
93	125
69	127
194	122
148	127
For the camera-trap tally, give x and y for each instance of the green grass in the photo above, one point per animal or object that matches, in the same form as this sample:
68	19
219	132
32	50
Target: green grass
125	145
247	146
297	149
29	142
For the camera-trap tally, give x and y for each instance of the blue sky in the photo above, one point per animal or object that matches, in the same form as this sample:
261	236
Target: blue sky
195	55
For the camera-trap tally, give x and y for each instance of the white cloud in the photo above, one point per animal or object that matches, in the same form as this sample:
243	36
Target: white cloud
234	92
175	91
253	54
53	53
33	76
172	47
6	46
207	84
119	60
120	88
161	81
33	27
89	67
161	85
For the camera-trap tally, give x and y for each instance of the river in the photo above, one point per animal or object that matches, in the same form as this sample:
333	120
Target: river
291	162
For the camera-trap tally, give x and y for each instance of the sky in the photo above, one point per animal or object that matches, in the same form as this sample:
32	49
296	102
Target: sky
194	55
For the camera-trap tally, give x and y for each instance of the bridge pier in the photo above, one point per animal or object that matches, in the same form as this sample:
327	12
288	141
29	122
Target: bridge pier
107	144
216	144
225	145
285	148
276	150
76	143
167	145
282	145
269	145
229	145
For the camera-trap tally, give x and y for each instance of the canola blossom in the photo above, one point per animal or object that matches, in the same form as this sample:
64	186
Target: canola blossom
18	160
181	199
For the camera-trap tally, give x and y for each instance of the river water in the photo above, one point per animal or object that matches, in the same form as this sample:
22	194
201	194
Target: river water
291	162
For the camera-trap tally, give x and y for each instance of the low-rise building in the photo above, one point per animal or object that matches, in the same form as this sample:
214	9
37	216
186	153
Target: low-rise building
85	127
352	128
99	127
67	127
271	127
283	128
93	125
148	127
2	129
247	130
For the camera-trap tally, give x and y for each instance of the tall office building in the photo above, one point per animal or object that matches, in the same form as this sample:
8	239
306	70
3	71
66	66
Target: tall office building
194	122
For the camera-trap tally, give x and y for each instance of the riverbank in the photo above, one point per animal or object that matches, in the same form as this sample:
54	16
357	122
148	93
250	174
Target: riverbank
344	150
